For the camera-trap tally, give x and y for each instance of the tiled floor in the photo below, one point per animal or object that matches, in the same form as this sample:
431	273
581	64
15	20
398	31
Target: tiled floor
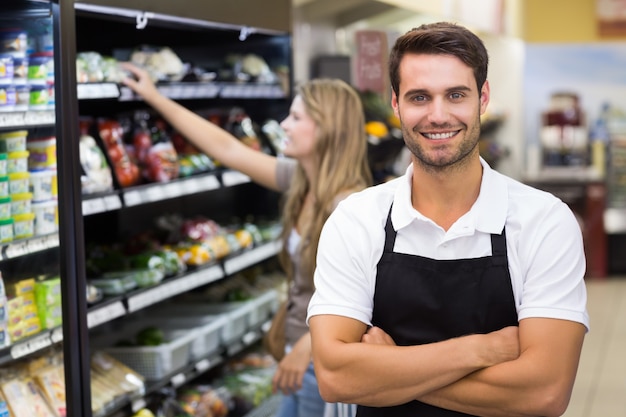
600	389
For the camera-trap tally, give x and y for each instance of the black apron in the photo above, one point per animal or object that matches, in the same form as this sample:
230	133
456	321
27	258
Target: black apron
420	300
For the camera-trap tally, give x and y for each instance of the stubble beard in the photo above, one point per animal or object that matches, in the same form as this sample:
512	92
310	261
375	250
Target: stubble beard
442	161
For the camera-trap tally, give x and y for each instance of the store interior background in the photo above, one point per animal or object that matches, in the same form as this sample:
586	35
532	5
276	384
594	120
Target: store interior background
536	47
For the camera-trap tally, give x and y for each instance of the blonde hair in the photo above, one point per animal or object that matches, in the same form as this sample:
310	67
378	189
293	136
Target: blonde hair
341	153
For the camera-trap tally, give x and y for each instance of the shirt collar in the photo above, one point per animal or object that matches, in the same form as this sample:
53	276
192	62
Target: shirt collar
488	212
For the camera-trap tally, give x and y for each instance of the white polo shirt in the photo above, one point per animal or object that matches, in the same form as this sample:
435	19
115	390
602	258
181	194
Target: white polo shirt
544	246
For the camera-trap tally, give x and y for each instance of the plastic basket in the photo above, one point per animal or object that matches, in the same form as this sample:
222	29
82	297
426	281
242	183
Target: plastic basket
265	305
206	332
156	362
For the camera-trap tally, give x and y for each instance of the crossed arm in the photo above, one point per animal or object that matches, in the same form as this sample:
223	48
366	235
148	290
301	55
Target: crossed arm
510	372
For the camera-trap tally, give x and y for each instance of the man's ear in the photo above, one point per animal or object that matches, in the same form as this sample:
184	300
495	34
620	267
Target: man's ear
394	103
484	96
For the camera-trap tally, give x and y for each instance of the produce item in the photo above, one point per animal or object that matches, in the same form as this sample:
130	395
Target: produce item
97	175
150	336
92	67
204	401
126	171
162	63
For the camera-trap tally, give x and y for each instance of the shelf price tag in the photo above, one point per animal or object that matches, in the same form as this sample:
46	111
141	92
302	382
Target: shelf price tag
178	380
112	202
138	404
14	250
93	206
57	335
232	178
33	345
11	119
45	117
132	198
105	314
203	365
208	183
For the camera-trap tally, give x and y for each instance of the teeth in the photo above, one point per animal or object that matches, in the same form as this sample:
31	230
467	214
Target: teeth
439	135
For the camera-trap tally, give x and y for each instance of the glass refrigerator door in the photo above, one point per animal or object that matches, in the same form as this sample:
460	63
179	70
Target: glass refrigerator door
43	320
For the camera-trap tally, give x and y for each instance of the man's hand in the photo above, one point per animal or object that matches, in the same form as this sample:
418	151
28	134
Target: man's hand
377	336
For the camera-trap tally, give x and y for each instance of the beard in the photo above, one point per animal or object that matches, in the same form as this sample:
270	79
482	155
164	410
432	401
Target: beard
447	156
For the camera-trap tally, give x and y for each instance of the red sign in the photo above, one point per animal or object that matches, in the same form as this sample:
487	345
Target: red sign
371	72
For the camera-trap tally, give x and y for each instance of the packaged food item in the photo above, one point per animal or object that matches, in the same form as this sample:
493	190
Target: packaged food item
19	182
7	97
22	97
23	225
6	68
13	141
5	208
40	68
4	185
20	70
21	203
17	161
126	171
38	97
13	41
6	230
43	153
43	185
46	217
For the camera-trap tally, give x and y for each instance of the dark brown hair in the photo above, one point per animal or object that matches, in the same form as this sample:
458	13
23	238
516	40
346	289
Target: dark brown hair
440	38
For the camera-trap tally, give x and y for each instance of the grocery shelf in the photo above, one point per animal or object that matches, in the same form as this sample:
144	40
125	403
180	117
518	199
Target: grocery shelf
31	118
150	193
22	247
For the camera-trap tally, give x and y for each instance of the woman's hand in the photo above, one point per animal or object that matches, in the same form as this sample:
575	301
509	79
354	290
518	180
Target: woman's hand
141	83
291	369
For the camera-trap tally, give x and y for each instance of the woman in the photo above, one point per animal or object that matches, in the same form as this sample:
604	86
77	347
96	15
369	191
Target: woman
325	160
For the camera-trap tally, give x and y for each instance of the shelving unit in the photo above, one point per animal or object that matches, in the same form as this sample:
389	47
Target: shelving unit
222	192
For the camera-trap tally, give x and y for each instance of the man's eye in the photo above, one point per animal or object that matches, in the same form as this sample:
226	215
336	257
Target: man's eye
456	96
419	98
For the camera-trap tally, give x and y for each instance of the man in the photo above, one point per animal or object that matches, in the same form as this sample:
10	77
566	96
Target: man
452	290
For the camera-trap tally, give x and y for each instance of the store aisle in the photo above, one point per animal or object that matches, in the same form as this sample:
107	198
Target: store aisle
600	388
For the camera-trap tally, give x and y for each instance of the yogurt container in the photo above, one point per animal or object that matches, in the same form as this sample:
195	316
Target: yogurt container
20	70
19	182
5	208
42	153
7	69
21	203
46	217
4	186
13	141
38	97
22	97
43	185
7	97
41	68
3	163
23	225
6	230
17	161
13	41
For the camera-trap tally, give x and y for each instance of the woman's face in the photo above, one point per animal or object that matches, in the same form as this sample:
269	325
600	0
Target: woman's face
300	129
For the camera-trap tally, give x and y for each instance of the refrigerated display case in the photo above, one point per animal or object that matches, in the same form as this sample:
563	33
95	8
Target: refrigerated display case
64	30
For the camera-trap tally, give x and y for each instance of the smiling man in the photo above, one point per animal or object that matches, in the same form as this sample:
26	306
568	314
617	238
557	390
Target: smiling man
452	290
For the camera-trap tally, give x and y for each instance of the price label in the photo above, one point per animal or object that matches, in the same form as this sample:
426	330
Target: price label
57	335
105	314
11	119
190	186
132	198
178	380
15	250
249	338
31	346
138	404
203	365
208	183
93	206
170	190
36	245
147	298
112	202
209	275
154	193
232	178
43	117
